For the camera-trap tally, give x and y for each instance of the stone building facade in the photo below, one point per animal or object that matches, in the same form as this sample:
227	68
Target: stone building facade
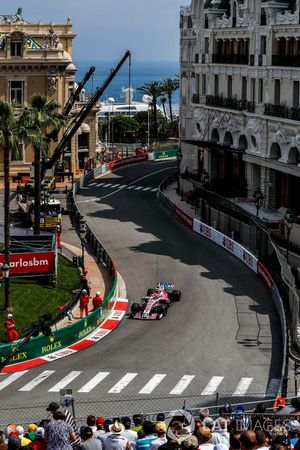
240	96
37	58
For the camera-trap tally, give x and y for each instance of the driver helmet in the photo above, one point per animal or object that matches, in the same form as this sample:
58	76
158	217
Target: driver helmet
9	316
97	293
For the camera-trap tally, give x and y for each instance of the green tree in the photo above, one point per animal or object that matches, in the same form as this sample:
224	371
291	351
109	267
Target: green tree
45	121
154	88
169	86
9	142
123	125
163	103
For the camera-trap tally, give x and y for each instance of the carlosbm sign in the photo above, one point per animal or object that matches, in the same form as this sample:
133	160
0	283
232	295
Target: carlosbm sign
125	161
30	263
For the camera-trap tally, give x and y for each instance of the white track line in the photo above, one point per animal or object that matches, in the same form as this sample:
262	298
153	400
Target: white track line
243	386
99	184
273	387
37	380
182	384
212	386
131	187
93	184
120	385
94	382
65	381
154	190
152	383
106	185
138	188
9	380
146	189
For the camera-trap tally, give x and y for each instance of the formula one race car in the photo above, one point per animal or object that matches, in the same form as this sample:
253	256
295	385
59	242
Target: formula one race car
155	305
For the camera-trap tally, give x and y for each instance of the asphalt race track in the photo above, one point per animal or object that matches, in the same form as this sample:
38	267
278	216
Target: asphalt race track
224	335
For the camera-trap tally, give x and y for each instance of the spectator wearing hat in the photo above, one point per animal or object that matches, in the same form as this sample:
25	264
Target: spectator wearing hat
84	281
137	420
39	442
129	434
68	418
248	440
24	441
205	438
59	433
100	429
106	424
160	417
88	442
31	429
281	443
115	441
97	301
262	441
149	436
84	303
160	431
191	443
293	431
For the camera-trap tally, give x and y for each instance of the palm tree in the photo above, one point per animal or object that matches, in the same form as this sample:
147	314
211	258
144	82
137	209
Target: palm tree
169	86
9	141
163	102
43	118
154	88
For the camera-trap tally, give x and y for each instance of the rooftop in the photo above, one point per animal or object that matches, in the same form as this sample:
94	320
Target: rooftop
13	18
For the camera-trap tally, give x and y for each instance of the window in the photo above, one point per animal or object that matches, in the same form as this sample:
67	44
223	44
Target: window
16	49
277	92
83	140
244	88
16	92
206	44
253	90
260	90
229	86
216	85
203	84
263	45
295	94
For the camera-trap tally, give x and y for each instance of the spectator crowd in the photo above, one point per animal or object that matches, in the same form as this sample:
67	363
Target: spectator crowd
231	430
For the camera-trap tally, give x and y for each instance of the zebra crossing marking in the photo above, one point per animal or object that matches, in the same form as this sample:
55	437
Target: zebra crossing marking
243	386
65	381
37	380
153	383
182	384
212	386
121	384
11	378
94	382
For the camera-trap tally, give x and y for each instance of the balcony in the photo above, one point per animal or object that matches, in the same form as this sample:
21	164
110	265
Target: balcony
196	98
230	103
286	60
230	59
283	111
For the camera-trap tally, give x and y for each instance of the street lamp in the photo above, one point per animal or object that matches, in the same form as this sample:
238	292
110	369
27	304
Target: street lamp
179	156
289	223
258	199
82	233
5	275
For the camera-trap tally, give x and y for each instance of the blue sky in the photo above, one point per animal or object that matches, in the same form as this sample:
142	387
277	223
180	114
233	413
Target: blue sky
105	28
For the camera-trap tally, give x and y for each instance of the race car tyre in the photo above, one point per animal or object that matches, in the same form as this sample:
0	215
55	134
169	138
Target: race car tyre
175	296
150	292
135	308
162	311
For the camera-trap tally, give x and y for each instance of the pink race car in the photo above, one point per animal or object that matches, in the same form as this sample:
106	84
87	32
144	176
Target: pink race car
157	302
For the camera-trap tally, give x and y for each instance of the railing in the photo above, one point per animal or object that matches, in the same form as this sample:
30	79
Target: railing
196	98
286	60
283	111
230	59
230	103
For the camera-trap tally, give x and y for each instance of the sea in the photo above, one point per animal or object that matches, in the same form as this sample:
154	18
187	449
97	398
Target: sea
141	72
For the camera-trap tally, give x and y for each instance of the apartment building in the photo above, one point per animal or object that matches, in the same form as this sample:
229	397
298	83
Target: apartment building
240	93
37	57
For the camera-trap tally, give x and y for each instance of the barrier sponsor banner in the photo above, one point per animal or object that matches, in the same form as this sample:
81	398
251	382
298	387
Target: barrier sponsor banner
188	220
160	154
30	263
125	161
264	274
231	246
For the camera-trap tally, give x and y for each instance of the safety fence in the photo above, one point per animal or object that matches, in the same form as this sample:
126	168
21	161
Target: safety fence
257	264
117	405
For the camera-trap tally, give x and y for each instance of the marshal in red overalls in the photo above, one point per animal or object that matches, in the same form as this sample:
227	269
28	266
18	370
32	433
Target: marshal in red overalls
10	325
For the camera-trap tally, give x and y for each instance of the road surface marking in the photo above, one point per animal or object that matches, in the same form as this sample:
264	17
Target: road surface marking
37	380
120	385
9	380
94	382
93	184
243	386
106	185
147	188
100	184
131	187
153	383
182	384
273	387
138	188
65	381
115	185
212	385
154	190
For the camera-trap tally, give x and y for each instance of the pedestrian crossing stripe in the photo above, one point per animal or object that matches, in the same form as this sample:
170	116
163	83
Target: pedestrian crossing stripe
123	186
214	384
